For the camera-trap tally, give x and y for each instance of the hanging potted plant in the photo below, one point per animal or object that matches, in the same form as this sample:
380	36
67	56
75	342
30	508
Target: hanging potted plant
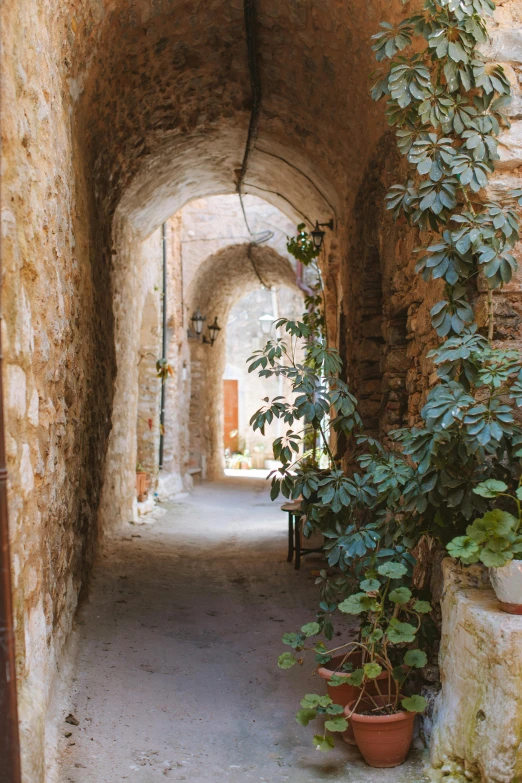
495	539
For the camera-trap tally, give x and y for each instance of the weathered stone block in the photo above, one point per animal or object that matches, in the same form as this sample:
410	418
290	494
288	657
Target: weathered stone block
505	46
510	148
478	723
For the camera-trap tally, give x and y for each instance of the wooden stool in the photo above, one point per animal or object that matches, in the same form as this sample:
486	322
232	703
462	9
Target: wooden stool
295	513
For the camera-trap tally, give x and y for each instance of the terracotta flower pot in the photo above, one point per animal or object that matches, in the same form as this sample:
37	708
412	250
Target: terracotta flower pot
142	485
384	740
344	694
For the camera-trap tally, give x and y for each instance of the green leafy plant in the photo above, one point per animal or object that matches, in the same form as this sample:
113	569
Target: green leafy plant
163	369
390	621
446	104
495	538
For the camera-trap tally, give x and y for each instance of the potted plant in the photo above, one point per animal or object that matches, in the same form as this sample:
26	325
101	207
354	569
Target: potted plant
495	539
378	667
142	483
445	103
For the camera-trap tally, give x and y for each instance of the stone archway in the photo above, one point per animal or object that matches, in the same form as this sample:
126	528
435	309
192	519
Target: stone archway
223	279
115	114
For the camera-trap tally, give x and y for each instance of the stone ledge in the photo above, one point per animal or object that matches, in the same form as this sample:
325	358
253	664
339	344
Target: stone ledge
477	732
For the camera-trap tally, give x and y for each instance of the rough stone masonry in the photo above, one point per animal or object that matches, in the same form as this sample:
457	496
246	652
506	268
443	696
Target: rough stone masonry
114	115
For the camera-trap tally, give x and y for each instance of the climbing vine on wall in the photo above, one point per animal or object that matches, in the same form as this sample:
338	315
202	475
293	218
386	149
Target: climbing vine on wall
446	104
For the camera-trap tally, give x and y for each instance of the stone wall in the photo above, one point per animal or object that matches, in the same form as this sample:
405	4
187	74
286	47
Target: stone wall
115	115
478	721
134	275
58	365
149	386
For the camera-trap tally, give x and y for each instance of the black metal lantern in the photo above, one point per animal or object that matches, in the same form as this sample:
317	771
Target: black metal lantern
214	330
318	235
197	322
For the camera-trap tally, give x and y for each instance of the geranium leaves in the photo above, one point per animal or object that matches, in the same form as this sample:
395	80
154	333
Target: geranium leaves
357	603
372	670
414	703
336	724
286	660
399	632
491	488
305	715
323	743
401	595
392	570
492	538
416	658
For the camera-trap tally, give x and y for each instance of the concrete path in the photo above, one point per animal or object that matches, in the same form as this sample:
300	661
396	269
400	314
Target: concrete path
177	677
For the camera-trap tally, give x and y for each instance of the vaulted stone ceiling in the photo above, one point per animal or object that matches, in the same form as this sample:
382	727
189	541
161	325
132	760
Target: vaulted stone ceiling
165	100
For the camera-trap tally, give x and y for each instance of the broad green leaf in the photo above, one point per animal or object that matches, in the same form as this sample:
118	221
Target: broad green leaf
293	639
356	677
371	634
464	548
314	700
490	488
495	523
336	680
414	703
305	715
495	559
334	709
416	658
370	585
372	670
422	607
323	743
392	570
336	724
401	595
311	629
400	632
355	604
286	661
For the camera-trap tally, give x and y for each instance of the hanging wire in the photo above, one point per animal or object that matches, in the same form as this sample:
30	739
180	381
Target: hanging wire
256	238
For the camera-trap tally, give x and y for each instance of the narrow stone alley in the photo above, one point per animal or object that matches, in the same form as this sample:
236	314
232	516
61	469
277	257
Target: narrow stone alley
176	674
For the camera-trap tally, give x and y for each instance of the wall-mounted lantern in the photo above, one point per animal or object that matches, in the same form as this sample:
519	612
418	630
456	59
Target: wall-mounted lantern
265	322
197	322
196	332
318	235
214	330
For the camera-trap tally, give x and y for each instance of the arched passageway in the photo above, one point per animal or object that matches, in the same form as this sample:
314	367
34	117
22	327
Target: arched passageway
116	115
219	283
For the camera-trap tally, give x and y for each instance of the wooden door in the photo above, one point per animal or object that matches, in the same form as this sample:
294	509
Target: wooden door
231	435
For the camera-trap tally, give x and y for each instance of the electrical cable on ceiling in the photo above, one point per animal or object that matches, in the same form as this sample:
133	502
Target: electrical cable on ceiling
255	84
